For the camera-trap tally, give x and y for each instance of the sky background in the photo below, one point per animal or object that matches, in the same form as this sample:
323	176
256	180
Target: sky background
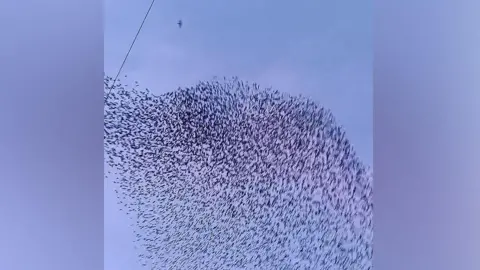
320	49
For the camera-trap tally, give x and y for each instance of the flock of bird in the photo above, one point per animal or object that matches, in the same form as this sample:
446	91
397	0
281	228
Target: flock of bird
227	175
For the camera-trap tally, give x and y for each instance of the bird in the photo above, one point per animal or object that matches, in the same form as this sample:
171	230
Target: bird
180	23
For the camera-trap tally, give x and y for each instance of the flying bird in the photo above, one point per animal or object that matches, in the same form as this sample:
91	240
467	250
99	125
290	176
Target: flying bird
180	23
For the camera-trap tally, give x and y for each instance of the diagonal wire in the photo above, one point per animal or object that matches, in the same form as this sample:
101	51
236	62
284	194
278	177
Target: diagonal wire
129	50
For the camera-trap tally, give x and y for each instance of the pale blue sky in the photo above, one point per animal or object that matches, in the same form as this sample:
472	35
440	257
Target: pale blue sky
320	49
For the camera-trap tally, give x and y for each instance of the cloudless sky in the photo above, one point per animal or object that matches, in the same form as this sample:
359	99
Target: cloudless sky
320	49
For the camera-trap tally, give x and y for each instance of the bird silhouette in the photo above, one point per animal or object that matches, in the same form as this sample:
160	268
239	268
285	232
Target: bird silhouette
180	23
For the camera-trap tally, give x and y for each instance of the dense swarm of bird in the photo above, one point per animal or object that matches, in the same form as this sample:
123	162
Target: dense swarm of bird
226	175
